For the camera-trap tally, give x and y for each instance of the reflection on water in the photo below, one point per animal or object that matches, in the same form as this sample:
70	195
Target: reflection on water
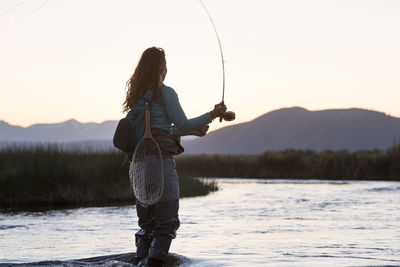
246	223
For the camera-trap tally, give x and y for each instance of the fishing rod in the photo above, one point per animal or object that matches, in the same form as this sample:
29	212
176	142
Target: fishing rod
229	115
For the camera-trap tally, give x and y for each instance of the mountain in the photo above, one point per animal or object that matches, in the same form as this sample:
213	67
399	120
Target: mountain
298	128
73	132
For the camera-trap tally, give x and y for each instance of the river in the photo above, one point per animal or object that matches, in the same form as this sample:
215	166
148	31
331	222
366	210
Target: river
248	222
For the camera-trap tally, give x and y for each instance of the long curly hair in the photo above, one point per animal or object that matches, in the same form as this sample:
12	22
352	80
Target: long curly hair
149	73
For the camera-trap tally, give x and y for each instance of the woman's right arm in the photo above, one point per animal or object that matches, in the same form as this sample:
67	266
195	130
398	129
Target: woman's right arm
218	111
178	117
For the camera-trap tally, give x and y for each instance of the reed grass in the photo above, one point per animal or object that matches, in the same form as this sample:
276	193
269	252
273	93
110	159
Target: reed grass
297	164
49	177
45	177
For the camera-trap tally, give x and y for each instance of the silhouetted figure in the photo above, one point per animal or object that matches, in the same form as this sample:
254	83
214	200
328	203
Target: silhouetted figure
158	223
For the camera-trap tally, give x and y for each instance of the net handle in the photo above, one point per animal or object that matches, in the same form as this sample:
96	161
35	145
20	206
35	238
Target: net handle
147	132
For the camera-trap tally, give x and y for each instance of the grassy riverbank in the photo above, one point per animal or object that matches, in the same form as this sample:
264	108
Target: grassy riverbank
44	177
298	164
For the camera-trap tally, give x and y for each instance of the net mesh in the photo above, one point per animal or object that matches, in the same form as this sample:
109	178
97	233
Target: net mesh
146	172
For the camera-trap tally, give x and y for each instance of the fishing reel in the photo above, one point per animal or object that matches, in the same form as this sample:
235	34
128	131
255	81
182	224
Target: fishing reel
228	116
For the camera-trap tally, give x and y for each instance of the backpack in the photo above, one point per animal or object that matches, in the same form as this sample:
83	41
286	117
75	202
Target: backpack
131	128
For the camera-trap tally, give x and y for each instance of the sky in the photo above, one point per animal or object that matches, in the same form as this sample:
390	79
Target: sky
64	59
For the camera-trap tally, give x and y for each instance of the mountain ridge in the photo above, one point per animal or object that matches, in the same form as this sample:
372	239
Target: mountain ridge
298	128
284	128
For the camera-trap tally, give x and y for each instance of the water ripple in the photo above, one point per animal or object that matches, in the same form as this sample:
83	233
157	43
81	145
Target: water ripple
247	223
7	227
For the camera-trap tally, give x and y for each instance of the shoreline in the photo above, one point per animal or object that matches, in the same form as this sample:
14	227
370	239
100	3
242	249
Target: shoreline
374	165
45	178
191	188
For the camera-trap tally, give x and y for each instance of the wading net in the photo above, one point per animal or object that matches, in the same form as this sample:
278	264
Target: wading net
146	172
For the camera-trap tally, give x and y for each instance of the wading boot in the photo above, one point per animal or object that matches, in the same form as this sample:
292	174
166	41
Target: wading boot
153	262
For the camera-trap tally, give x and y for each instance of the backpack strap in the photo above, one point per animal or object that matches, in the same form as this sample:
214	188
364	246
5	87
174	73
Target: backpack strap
160	100
148	96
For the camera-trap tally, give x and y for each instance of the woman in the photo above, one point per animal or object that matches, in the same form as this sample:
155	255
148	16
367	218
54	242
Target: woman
158	223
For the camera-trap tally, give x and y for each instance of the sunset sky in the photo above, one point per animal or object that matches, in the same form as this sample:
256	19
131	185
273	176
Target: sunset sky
63	59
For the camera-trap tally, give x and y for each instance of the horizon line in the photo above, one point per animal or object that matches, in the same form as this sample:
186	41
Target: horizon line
256	117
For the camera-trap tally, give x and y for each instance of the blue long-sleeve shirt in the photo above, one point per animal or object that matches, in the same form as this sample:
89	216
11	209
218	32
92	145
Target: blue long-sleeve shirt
172	113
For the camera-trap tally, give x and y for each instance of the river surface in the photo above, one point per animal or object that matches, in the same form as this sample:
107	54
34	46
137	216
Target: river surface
246	223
